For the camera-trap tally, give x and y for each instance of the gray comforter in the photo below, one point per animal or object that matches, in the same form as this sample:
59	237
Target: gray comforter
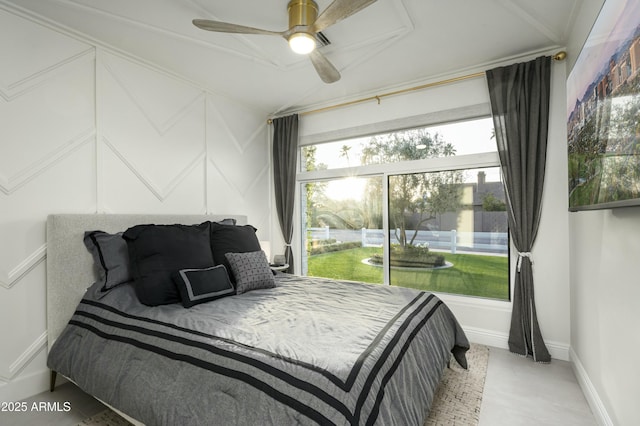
310	351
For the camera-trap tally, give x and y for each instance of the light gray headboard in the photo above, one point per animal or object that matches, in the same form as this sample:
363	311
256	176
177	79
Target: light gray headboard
70	266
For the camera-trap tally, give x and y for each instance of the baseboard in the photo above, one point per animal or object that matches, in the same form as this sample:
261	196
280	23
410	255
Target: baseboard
589	391
486	337
501	340
25	386
558	350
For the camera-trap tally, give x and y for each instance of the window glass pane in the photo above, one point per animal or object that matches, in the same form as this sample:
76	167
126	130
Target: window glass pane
342	227
467	137
447	229
448	232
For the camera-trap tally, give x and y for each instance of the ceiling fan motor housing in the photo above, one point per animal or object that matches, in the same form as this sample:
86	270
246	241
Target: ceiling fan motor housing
302	13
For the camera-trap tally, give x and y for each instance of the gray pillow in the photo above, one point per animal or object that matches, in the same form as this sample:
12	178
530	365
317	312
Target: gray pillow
251	270
110	258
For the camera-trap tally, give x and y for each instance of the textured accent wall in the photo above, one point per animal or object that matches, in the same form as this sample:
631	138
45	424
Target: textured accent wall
87	129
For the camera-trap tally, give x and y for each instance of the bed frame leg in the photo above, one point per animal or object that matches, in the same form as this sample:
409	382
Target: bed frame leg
52	381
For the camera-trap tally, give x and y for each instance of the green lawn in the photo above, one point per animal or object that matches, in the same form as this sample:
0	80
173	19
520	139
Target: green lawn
472	275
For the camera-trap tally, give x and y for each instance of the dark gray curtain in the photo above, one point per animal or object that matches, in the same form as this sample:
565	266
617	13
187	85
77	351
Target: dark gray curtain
285	150
520	107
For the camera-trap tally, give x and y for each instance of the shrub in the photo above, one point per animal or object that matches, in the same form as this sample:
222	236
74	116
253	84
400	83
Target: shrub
411	257
327	248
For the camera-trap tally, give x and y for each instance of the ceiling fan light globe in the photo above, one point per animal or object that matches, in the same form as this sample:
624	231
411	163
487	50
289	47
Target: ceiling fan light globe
302	43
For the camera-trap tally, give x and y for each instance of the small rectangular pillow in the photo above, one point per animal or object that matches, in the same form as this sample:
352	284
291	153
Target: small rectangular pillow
251	270
110	258
157	251
203	285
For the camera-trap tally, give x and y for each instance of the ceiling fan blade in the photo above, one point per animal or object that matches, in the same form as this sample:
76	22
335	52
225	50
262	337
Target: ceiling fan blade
337	11
225	27
327	72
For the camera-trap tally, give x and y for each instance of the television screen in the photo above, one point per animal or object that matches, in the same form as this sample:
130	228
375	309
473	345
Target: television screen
603	112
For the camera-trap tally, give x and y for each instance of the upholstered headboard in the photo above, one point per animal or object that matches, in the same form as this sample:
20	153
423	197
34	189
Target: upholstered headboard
70	265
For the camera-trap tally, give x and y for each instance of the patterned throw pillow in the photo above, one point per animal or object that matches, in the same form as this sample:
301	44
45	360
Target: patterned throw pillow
251	270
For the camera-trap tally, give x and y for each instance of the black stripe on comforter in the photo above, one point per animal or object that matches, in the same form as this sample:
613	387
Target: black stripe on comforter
345	385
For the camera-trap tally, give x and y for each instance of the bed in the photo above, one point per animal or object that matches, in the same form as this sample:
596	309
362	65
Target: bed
300	350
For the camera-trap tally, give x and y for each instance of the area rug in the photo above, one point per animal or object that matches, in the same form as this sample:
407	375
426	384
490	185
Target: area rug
458	398
105	418
456	402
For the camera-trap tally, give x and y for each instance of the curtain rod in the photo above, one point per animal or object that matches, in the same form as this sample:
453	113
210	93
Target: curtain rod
560	56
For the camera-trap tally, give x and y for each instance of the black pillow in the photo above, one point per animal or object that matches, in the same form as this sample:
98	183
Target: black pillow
232	239
110	258
157	251
202	285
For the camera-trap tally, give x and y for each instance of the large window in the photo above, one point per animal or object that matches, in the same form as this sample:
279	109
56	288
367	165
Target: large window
421	208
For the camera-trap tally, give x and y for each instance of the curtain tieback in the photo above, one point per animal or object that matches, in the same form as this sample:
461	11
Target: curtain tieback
522	254
287	244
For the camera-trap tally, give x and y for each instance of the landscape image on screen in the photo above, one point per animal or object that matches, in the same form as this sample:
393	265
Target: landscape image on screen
603	125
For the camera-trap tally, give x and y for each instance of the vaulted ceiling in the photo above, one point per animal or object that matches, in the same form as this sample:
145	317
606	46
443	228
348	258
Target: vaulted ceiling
392	43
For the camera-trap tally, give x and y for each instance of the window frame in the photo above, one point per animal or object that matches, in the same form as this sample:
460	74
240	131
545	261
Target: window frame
455	162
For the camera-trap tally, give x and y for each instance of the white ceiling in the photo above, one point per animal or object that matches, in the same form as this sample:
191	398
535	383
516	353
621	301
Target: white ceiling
389	44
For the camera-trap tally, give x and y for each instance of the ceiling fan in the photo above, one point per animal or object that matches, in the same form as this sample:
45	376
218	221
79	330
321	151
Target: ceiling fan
304	25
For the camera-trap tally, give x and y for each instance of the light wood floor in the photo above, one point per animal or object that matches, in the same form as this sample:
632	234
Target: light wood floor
517	392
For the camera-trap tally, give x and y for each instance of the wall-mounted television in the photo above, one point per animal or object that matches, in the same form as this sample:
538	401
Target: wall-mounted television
603	112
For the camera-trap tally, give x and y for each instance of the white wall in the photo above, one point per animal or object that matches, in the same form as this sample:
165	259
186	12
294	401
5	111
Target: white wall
86	129
605	310
487	321
605	295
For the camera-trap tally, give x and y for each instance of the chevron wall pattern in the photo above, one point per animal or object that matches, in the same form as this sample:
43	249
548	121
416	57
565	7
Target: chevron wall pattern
87	129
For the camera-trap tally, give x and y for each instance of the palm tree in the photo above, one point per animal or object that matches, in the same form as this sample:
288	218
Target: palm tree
344	152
